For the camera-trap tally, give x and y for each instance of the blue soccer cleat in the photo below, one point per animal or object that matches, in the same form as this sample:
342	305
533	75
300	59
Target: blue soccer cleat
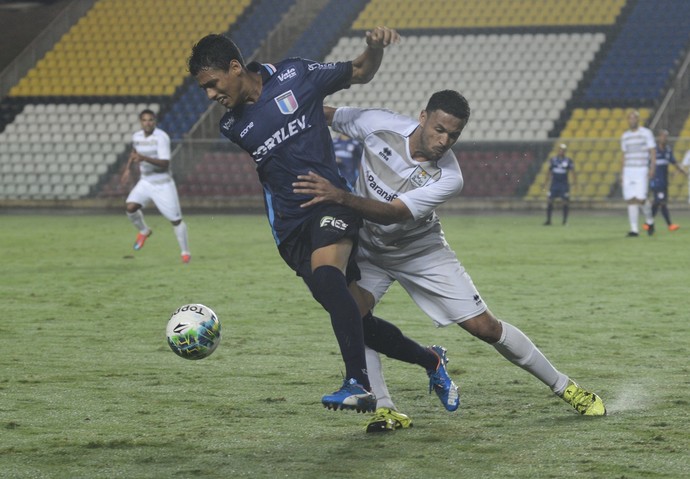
440	381
351	395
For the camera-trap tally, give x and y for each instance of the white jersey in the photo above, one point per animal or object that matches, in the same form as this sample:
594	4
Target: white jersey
156	145
636	145
686	164
387	171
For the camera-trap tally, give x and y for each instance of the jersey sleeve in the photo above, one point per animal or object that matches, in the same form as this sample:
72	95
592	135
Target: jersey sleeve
329	77
163	146
359	123
423	201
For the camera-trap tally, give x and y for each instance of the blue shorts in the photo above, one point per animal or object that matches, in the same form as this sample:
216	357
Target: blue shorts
327	225
660	194
559	192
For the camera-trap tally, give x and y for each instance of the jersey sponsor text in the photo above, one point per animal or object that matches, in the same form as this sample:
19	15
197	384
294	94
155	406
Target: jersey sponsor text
291	129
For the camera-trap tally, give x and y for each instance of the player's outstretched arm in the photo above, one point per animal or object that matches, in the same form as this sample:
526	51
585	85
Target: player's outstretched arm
376	211
365	66
329	112
652	162
126	174
678	167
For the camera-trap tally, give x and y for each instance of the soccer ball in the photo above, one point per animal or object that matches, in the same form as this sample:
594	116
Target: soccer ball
193	331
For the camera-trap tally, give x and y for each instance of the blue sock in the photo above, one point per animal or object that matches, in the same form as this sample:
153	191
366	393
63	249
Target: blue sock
386	338
329	288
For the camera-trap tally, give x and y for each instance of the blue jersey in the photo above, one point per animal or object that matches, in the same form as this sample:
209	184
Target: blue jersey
286	133
664	158
559	166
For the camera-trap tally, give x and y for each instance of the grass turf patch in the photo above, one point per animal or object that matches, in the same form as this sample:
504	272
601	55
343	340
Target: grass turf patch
89	388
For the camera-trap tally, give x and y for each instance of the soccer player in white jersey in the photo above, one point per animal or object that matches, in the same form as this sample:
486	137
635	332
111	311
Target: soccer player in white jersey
151	153
639	158
686	166
407	169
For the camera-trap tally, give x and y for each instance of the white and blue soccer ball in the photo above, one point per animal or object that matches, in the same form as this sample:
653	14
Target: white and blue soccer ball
193	331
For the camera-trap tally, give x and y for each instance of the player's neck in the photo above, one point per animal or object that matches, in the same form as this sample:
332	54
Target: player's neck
254	88
414	145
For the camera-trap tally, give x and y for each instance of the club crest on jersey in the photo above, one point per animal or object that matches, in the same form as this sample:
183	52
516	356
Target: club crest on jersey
287	103
420	177
333	222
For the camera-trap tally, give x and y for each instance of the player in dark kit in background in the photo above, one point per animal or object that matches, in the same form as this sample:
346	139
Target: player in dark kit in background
560	166
659	182
347	153
275	113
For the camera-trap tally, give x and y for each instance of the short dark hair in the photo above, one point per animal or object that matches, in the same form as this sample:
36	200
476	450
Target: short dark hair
213	52
450	101
147	112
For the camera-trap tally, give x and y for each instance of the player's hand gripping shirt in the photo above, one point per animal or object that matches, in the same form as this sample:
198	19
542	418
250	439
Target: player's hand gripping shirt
156	145
387	172
286	133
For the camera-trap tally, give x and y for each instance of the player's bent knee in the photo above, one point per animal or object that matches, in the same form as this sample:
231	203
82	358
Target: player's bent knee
327	284
484	326
132	207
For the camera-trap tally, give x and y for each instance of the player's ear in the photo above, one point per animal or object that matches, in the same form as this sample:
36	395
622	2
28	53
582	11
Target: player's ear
235	67
422	117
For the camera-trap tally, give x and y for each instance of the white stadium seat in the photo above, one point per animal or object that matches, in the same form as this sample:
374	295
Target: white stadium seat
548	79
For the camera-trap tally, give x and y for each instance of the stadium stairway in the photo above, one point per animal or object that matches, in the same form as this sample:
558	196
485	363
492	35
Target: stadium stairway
59	114
534	74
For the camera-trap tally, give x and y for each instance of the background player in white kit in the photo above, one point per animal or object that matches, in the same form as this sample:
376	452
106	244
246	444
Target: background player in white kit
151	152
686	165
639	158
406	171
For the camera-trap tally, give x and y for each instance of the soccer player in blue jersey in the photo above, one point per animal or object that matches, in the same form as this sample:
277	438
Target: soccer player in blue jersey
275	113
560	167
659	182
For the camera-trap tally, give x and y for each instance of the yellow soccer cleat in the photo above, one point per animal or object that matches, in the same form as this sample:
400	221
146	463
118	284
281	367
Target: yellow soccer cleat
584	402
387	419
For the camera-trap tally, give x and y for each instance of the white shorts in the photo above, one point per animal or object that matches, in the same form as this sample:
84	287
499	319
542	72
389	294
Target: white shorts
436	281
163	194
635	183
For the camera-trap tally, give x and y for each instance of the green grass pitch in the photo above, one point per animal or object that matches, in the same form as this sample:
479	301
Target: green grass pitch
90	389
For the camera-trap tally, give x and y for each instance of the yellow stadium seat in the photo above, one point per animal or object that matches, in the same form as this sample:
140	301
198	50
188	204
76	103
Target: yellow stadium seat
171	29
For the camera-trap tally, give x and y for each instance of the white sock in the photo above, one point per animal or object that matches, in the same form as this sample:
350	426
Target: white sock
378	383
633	216
519	350
137	219
647	211
181	235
